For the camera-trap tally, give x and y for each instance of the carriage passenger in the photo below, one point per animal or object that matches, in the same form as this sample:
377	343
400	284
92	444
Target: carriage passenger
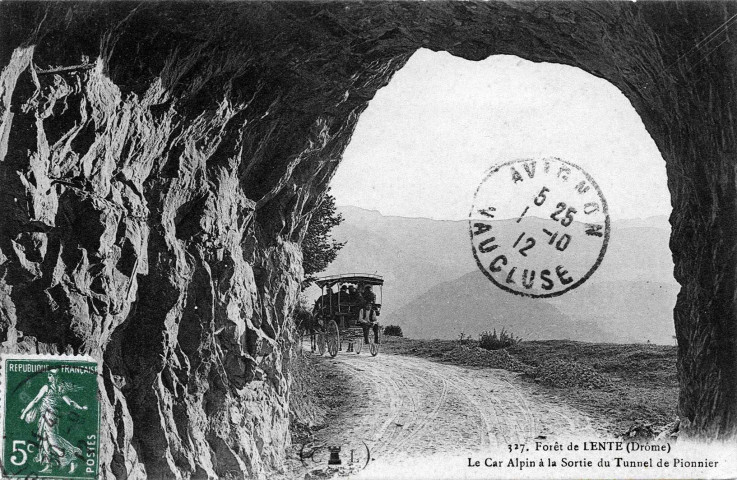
343	294
352	297
335	297
369	302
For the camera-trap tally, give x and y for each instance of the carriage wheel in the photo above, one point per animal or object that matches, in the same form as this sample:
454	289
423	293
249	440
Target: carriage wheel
358	344
333	338
373	346
320	343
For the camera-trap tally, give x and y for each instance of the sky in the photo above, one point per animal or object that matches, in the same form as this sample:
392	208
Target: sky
422	146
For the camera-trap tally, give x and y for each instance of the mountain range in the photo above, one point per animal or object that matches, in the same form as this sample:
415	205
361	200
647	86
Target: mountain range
433	288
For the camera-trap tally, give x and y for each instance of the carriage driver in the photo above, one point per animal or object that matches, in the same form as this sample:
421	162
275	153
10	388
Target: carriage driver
323	302
367	316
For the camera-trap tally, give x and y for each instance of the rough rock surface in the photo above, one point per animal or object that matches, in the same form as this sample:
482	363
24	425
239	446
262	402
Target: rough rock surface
159	163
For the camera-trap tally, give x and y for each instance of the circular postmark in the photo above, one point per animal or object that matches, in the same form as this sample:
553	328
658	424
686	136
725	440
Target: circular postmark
539	227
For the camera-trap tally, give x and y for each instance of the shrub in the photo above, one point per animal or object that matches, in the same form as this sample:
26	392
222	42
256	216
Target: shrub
492	341
393	331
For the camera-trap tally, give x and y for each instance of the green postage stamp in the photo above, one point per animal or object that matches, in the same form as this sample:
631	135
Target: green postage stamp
50	416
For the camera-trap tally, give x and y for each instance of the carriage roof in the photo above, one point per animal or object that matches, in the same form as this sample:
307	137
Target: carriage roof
365	278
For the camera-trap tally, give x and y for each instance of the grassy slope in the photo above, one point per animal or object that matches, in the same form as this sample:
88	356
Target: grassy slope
619	386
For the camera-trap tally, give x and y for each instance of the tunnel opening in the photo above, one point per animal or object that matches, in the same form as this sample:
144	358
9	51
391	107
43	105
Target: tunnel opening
421	149
406	185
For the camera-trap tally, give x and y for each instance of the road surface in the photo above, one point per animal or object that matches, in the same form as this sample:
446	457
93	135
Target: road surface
404	409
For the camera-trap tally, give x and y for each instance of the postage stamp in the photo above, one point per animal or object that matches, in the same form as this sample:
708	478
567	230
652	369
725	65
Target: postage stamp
539	227
50	416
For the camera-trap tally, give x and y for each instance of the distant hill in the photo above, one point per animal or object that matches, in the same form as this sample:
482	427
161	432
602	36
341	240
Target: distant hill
638	253
413	254
615	312
471	304
629	311
629	298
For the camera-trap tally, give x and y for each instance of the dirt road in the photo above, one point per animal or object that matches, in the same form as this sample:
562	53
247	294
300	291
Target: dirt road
406	408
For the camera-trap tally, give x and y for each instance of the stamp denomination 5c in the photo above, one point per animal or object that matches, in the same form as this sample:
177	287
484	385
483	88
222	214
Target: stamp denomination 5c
50	416
539	227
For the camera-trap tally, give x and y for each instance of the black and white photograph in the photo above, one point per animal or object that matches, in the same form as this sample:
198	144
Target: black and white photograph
307	240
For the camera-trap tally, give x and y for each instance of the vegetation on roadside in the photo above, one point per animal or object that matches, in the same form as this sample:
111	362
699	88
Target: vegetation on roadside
393	331
319	248
492	341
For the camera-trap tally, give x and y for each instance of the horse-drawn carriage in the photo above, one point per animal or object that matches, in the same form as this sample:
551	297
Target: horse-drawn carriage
342	318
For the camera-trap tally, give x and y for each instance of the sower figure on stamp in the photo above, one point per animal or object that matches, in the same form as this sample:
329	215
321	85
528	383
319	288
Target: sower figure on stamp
367	316
45	409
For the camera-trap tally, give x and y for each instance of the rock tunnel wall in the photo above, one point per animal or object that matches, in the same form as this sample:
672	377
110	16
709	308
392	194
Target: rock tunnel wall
159	163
